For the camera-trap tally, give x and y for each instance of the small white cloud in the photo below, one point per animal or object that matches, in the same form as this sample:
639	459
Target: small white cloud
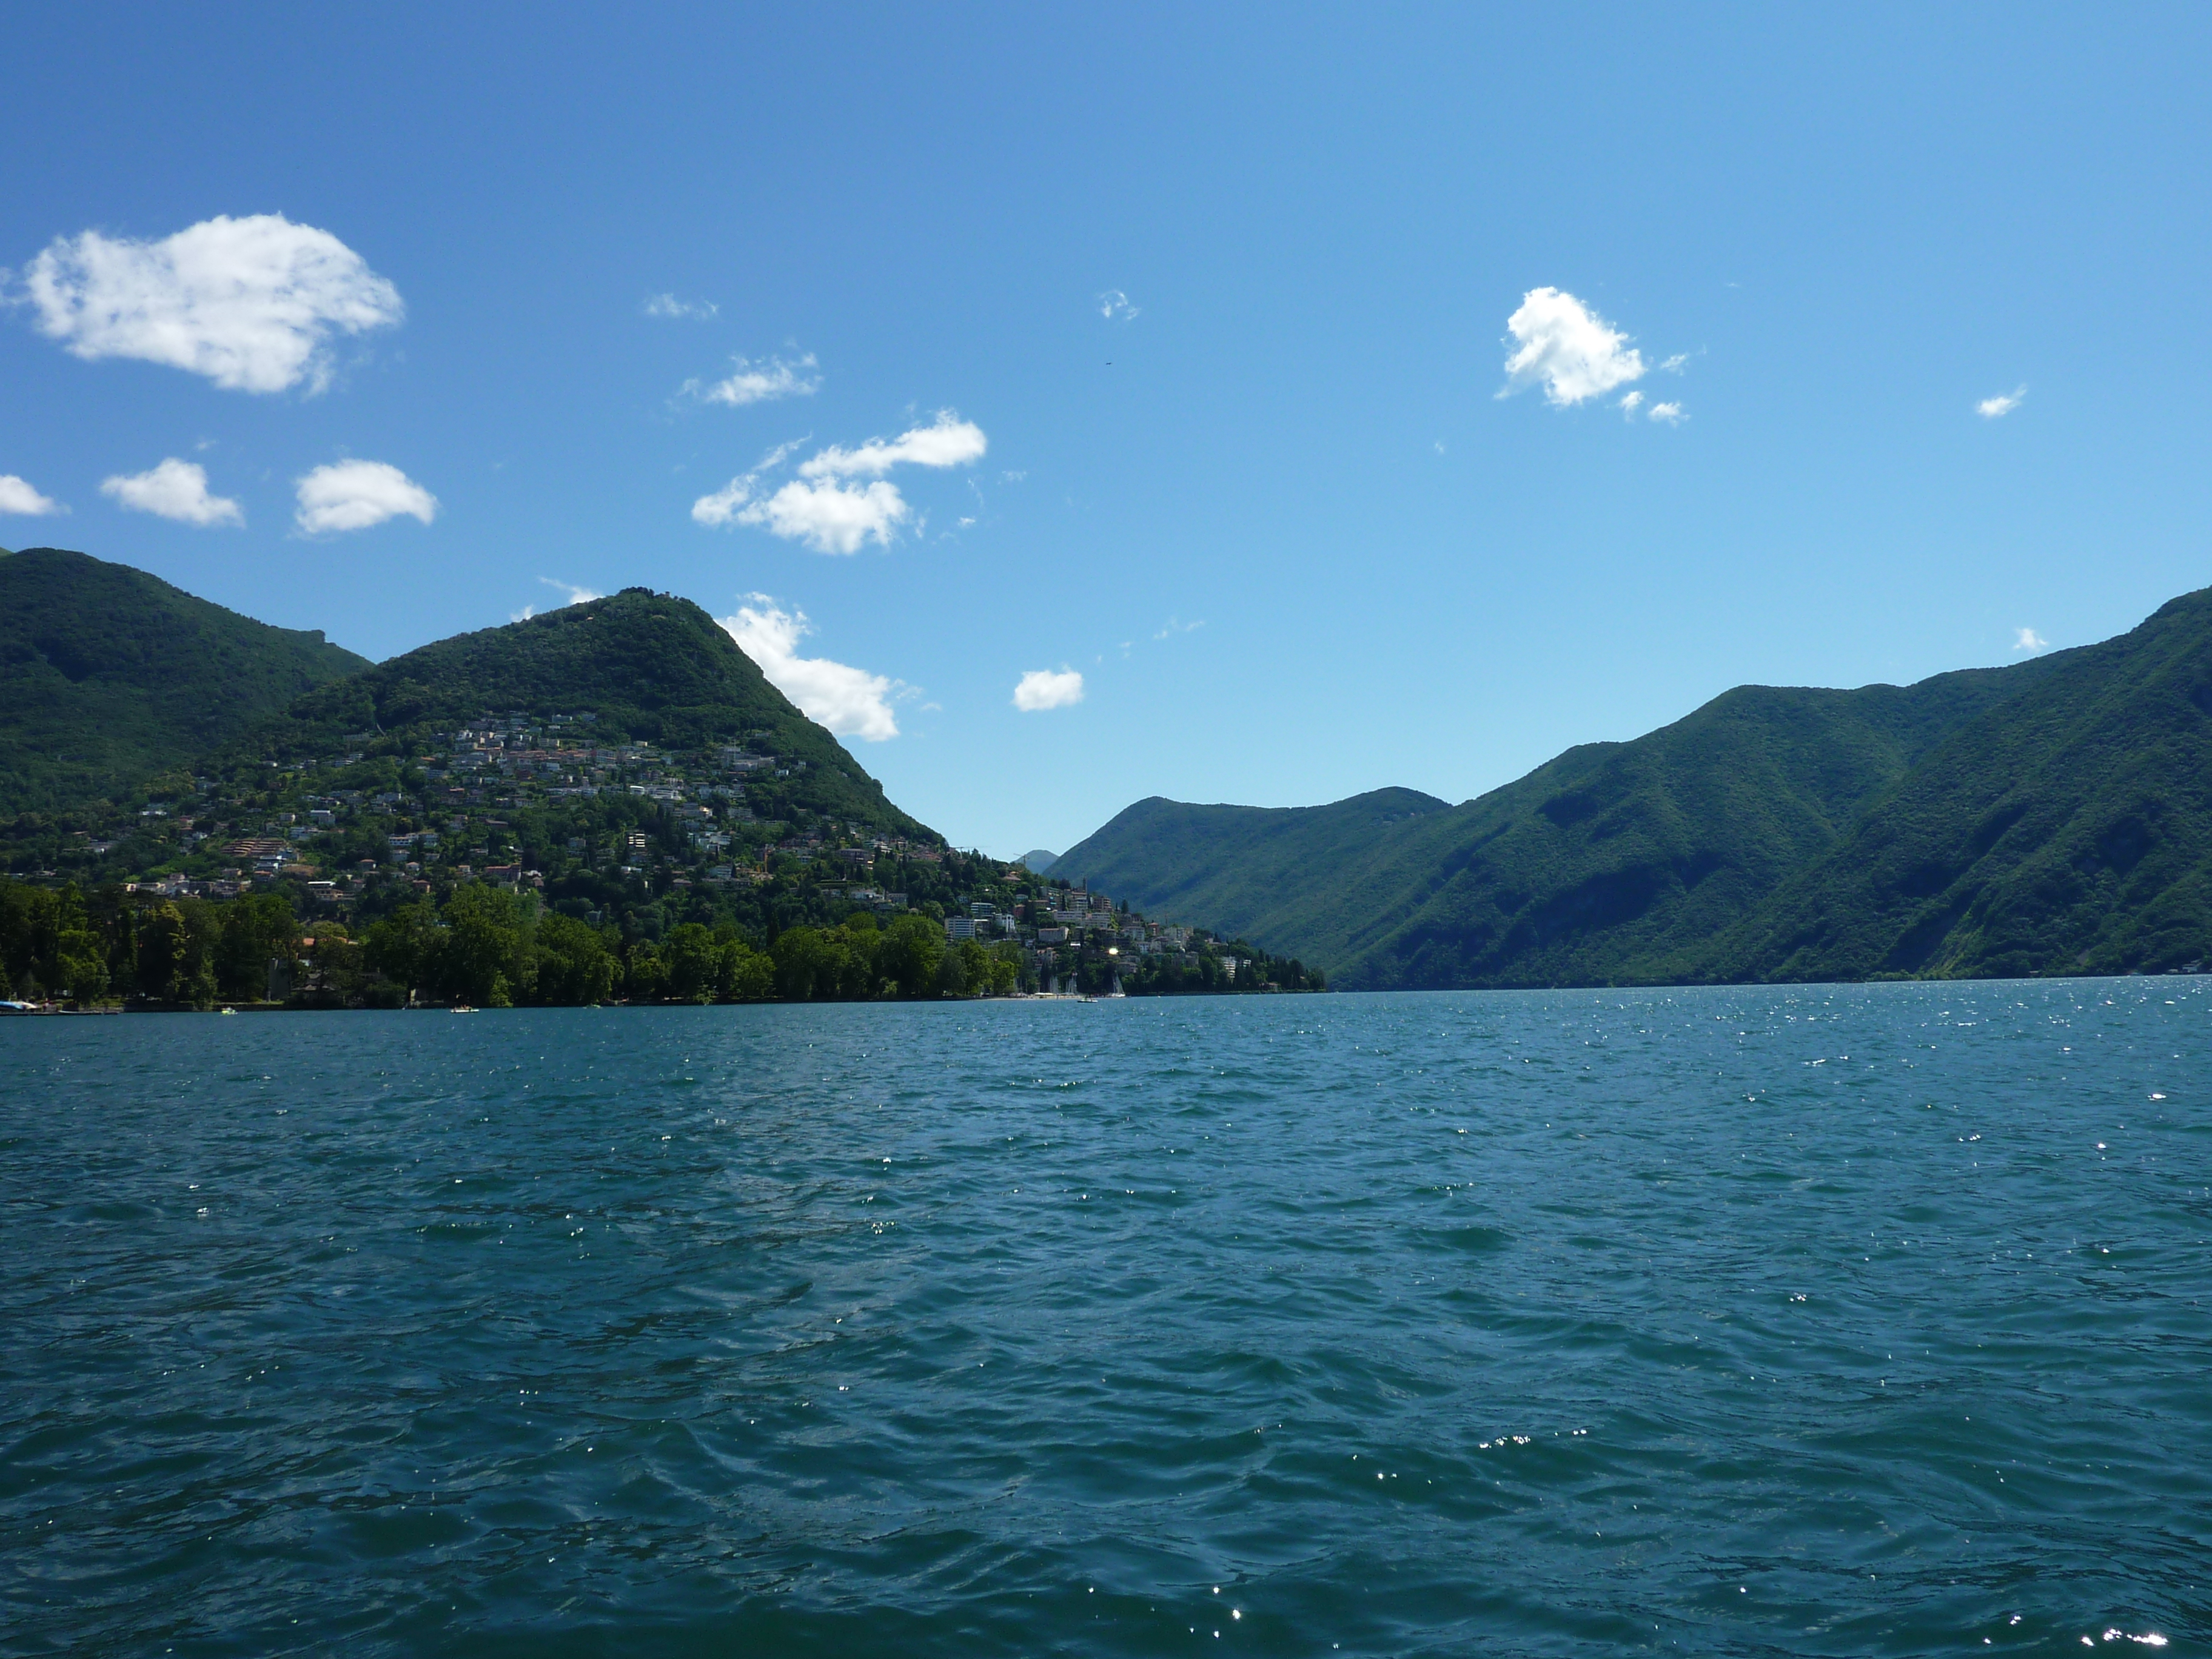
831	516
668	305
825	515
2027	639
1992	408
1114	303
576	596
1042	688
250	303
1171	627
950	442
1675	364
176	489
18	496
758	383
1562	345
1440	446
720	509
850	702
355	494
1631	403
1672	414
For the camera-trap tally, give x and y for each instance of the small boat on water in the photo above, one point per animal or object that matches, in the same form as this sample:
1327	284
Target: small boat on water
230	1011
462	1008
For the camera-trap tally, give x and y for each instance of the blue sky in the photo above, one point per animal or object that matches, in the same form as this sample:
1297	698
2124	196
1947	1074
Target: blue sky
1179	341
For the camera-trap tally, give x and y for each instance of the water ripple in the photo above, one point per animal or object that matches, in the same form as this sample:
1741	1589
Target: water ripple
1806	1320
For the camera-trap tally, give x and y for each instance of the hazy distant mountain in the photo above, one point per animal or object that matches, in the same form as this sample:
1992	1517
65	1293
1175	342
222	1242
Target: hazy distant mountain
109	676
1298	873
1040	860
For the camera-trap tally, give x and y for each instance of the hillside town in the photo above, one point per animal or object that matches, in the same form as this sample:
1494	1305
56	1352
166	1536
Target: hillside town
630	844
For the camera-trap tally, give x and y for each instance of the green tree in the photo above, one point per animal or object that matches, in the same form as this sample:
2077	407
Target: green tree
404	947
256	928
80	955
913	952
745	974
966	970
574	966
484	957
691	957
802	960
164	948
646	977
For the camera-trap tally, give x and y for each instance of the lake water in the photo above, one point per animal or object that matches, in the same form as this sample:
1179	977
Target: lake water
1809	1321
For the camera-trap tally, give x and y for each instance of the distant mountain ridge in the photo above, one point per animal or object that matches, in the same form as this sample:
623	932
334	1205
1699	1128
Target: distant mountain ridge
109	676
2054	815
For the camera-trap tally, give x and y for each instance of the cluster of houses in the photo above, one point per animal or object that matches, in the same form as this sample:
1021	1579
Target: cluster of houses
503	762
1054	933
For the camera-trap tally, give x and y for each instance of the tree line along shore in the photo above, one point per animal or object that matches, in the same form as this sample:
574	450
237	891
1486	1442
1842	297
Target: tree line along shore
481	945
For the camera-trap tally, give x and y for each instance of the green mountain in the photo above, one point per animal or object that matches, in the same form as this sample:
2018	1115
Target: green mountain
109	676
2052	817
2066	831
1313	873
646	667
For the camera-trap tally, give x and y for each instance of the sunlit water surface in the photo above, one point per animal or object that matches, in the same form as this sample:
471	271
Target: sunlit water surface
1816	1321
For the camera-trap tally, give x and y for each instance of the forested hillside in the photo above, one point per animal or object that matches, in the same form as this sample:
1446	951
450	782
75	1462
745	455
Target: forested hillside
645	666
2067	830
109	676
2050	816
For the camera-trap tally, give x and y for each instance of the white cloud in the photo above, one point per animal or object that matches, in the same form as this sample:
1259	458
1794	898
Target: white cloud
1991	408
1571	350
250	303
1172	627
720	510
1114	303
950	441
1042	688
1631	403
176	489
1675	364
758	383
355	494
850	702
18	496
576	596
1672	414
2028	640
667	305
827	516
833	517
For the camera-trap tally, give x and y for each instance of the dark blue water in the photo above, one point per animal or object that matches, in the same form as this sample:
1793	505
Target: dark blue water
1820	1321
